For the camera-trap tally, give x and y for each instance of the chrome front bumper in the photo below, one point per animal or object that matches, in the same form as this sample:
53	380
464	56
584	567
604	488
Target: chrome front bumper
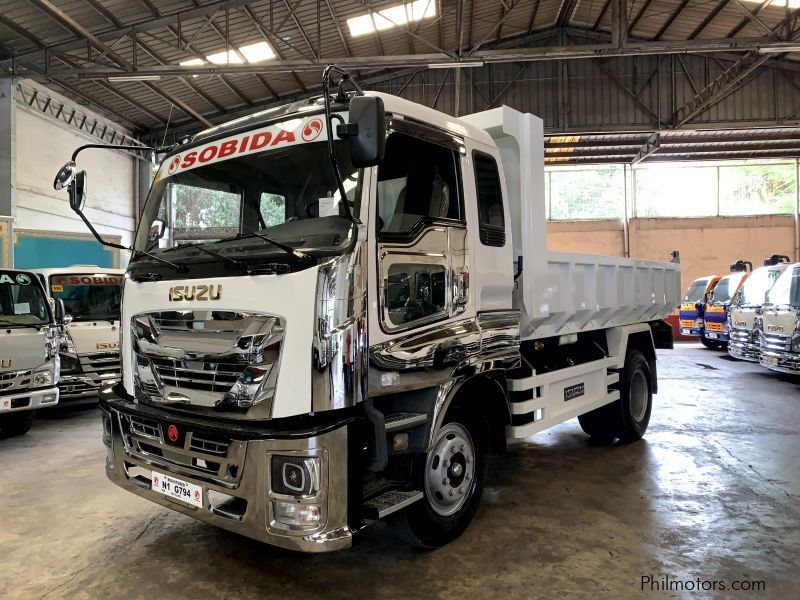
740	346
234	474
75	387
777	355
28	400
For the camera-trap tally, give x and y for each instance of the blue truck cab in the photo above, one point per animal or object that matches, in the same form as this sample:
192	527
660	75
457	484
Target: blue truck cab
693	307
716	329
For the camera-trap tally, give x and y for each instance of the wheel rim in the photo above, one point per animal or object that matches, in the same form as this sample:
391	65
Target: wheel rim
639	395
450	470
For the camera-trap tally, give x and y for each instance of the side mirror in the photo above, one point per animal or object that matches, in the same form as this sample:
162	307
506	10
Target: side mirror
157	229
366	131
60	313
77	191
65	176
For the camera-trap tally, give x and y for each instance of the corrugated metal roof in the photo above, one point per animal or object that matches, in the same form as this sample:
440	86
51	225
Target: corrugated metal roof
592	95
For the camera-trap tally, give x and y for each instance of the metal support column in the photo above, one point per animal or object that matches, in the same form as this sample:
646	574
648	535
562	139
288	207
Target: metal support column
8	150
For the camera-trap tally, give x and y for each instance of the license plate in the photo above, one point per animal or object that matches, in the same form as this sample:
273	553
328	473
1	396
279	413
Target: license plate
177	489
685	332
711	336
771	361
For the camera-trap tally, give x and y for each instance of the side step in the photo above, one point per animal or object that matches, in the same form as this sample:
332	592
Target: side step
404	420
390	502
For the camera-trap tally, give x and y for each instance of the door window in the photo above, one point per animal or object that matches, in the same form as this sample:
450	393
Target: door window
417	182
490	200
415	291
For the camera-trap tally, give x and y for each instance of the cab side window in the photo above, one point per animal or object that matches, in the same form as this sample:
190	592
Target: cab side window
491	222
417	182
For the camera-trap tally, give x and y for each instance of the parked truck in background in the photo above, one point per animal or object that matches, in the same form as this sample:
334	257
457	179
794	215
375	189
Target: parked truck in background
365	309
29	364
780	323
716	328
745	308
692	310
89	345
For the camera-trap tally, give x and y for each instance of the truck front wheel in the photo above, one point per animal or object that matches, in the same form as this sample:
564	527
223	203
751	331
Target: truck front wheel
451	475
628	417
710	344
16	423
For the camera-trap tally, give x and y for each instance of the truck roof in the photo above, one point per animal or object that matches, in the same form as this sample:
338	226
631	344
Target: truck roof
392	104
79	270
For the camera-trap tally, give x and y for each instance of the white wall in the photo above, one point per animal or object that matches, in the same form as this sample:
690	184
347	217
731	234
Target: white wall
43	146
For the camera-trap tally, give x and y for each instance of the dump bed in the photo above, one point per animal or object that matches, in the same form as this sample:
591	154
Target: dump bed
560	293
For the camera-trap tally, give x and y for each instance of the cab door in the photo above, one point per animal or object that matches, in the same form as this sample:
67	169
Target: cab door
422	308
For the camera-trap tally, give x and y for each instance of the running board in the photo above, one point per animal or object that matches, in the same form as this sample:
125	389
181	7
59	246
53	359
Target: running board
404	420
390	502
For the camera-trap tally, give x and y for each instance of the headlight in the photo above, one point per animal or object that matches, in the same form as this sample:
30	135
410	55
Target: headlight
295	475
43	377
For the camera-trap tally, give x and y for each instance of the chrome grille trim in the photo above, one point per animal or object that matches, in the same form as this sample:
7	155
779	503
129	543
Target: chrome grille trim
221	363
776	342
15	380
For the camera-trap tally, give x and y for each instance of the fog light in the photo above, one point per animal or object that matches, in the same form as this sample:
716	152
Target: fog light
46	399
294	514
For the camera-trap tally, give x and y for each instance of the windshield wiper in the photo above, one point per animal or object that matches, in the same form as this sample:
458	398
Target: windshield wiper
286	248
177	267
236	263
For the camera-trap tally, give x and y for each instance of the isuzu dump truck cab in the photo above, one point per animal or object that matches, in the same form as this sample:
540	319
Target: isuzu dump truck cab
716	328
359	309
744	313
89	346
780	323
693	307
29	364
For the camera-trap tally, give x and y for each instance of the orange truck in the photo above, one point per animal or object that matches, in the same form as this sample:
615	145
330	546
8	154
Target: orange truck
716	331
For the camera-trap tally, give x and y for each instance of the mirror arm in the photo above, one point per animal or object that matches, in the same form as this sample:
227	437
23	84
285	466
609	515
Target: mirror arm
80	149
326	77
97	235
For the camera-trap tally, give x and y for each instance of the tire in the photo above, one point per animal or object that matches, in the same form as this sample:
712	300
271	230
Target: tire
16	423
628	417
439	517
710	344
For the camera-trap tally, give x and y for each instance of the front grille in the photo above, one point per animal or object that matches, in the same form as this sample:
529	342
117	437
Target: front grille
203	455
220	363
777	343
13	380
197	375
100	362
740	335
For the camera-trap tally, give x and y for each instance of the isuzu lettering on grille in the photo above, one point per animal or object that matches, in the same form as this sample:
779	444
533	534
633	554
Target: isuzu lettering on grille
178	293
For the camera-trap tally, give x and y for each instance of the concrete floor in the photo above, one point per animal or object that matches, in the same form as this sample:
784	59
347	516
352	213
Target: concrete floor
711	492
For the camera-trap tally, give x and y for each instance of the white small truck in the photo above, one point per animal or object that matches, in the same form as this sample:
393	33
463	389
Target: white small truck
780	323
89	345
29	363
336	308
744	312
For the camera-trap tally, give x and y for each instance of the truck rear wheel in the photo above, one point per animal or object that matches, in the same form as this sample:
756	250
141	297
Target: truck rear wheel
628	417
16	423
452	476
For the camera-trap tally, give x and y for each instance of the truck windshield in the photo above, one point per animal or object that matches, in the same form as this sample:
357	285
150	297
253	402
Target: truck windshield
726	287
757	285
275	180
696	291
786	291
95	297
22	301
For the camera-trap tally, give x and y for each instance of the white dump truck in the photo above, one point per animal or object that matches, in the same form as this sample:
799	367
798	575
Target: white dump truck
89	345
29	364
780	323
336	308
744	322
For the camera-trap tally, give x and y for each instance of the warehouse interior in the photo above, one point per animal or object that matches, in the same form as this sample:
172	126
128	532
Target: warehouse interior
668	125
